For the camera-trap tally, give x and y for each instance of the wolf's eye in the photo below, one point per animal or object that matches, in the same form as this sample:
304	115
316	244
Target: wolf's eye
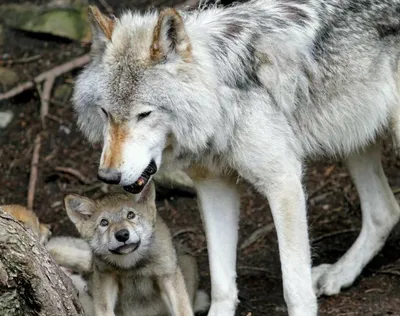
105	112
104	222
143	115
131	215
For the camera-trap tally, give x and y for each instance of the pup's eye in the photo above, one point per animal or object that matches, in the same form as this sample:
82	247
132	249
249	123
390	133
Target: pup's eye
104	222
131	215
143	115
105	112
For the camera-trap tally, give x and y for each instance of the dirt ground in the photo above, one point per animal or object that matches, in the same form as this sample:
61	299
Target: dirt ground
334	209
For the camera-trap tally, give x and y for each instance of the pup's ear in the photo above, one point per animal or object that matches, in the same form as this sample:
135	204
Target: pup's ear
79	209
148	194
169	37
102	28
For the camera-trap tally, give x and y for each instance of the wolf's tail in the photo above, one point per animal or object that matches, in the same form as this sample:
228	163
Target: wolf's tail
72	253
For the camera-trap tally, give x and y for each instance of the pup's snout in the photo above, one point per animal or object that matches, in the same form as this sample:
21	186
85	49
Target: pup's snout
110	176
122	235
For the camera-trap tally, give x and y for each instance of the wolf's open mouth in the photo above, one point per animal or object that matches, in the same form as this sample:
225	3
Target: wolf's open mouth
125	249
140	183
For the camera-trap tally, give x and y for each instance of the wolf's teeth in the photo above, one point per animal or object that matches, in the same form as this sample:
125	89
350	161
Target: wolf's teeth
140	181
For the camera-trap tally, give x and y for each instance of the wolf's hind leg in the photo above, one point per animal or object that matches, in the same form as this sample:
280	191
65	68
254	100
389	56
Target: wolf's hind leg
395	118
395	129
380	212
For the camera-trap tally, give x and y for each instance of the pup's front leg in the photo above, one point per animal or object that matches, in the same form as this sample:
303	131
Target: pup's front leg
105	290
287	202
175	295
219	205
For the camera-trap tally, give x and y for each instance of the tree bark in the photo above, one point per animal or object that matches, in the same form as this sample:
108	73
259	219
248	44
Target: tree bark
31	283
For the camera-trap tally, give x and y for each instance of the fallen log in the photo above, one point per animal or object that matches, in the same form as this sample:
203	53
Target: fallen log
31	283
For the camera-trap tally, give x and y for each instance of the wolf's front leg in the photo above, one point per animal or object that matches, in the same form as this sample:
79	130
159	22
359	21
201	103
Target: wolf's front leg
105	290
219	204
287	202
175	295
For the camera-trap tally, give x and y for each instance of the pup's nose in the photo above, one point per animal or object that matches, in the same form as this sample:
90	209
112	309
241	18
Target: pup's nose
122	235
110	176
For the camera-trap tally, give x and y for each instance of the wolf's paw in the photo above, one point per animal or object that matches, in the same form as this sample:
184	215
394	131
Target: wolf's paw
308	310
222	308
329	279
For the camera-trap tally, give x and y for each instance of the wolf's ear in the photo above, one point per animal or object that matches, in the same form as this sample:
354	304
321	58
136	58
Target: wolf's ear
148	194
169	37
79	208
102	28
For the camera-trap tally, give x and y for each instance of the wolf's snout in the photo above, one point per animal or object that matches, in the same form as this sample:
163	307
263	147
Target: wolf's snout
122	235
110	176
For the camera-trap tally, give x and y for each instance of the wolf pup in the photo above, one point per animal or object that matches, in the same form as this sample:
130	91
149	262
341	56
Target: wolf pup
252	91
135	269
30	220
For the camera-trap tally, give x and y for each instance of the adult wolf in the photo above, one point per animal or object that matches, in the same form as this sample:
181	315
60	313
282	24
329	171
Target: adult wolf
250	91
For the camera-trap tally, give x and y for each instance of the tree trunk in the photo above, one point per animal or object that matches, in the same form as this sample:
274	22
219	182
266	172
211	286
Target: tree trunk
31	283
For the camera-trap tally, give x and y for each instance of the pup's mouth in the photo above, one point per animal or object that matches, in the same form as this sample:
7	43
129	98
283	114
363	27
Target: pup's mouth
125	249
140	183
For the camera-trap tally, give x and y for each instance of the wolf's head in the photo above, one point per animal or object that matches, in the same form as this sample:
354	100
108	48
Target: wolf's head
117	227
143	90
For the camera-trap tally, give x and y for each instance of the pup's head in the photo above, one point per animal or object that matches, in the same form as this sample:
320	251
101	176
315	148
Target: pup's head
138	91
116	225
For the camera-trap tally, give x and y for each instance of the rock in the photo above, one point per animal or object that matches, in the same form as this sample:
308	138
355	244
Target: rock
8	77
5	118
65	21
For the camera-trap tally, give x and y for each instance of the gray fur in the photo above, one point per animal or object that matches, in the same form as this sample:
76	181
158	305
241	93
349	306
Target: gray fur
270	83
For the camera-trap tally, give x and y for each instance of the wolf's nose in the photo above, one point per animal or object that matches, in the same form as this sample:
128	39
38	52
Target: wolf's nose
122	235
110	176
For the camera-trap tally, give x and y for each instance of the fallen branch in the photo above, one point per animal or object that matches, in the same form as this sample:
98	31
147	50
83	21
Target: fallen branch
23	60
73	172
188	4
257	269
106	6
184	231
52	73
340	232
45	99
92	187
396	190
34	172
251	270
390	272
257	234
